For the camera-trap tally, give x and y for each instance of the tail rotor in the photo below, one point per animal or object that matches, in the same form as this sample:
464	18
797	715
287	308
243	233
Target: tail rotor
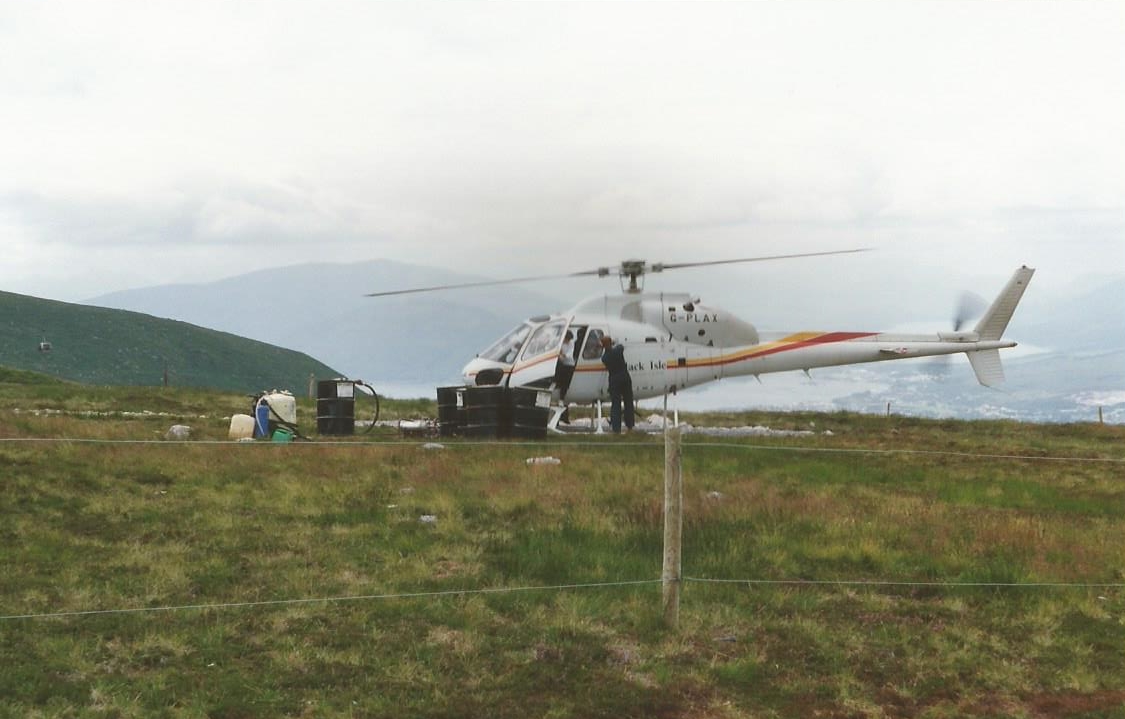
969	307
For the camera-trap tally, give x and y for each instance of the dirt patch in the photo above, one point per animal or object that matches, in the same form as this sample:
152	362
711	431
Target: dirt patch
1073	703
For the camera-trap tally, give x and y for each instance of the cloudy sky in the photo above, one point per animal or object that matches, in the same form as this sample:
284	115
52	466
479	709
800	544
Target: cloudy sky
144	143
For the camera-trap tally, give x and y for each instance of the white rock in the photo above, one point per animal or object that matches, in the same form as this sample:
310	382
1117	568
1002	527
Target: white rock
544	460
178	432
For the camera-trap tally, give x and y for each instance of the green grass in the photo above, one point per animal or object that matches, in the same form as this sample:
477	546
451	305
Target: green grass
90	525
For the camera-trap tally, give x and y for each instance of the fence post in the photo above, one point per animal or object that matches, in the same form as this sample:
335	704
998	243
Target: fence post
673	525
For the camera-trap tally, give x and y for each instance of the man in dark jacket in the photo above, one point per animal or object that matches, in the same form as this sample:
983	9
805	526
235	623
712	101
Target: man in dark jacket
620	384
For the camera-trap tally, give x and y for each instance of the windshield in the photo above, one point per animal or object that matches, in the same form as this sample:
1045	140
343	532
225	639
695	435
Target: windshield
507	347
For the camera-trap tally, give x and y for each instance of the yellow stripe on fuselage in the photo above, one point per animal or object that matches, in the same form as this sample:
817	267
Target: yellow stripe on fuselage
767	348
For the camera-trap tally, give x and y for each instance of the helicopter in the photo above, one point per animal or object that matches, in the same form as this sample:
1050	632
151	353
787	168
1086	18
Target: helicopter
674	341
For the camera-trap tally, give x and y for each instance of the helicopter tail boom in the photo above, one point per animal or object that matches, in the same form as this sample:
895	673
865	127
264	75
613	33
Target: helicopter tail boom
804	351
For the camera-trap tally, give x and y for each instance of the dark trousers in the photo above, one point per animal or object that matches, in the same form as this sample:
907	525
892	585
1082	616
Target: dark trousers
621	392
563	374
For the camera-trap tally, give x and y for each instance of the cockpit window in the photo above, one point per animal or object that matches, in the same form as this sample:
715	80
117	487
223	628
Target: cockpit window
508	347
546	338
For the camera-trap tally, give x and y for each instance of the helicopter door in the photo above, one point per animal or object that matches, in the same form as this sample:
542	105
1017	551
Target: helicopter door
536	364
590	378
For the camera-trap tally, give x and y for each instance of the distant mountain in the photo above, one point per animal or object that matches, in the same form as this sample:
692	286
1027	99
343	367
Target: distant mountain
1090	321
418	339
95	345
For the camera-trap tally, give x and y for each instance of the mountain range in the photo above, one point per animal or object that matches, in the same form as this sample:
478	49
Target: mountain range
320	309
1071	359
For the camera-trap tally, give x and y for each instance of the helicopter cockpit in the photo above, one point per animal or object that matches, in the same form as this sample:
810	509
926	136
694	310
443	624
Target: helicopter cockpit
507	348
490	366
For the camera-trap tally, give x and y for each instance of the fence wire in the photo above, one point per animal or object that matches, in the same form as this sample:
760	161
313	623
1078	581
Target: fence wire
609	444
436	595
605	444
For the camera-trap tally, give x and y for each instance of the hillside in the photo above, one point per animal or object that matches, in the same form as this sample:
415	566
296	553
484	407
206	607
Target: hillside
321	309
94	345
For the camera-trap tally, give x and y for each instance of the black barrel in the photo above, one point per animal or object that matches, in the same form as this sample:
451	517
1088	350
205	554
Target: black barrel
531	409
452	411
335	407
487	412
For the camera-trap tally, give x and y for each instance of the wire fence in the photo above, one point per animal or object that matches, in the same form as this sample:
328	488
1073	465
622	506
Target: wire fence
607	444
617	443
558	588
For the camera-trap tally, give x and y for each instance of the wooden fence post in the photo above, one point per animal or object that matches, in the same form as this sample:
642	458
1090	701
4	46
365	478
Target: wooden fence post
673	525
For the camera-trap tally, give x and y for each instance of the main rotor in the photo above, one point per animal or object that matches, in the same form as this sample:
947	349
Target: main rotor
633	270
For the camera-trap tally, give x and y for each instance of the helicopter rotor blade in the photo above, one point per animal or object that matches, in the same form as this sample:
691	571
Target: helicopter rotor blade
660	267
601	272
629	268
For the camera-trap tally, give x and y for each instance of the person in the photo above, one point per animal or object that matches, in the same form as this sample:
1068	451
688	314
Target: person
564	369
620	385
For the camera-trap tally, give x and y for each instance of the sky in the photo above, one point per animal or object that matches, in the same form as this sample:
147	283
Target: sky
146	143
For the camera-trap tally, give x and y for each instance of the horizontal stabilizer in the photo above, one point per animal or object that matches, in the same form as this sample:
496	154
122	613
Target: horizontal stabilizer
995	320
986	364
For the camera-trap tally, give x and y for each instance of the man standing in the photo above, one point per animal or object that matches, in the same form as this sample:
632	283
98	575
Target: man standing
620	384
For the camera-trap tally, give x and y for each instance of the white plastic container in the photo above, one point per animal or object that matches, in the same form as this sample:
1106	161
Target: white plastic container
284	405
241	427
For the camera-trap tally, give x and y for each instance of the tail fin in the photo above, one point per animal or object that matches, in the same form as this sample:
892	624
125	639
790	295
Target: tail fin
986	363
995	320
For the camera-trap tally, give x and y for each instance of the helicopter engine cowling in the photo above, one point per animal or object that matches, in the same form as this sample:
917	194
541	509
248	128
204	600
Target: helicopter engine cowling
688	320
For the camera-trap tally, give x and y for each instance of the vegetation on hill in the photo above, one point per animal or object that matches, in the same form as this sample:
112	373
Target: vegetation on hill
99	346
892	568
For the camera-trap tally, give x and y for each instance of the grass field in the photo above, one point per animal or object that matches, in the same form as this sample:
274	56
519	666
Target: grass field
881	570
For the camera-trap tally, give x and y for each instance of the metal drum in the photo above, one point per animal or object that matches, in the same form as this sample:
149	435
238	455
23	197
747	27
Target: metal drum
452	412
486	412
530	409
335	407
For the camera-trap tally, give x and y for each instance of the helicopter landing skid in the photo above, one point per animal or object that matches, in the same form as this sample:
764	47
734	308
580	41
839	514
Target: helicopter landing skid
553	422
559	411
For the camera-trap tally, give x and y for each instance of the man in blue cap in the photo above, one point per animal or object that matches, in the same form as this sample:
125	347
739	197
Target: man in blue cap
620	384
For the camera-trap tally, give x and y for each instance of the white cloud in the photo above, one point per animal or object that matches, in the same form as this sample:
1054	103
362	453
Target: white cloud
506	137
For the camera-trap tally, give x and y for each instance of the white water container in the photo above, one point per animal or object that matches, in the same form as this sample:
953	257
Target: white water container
241	427
284	405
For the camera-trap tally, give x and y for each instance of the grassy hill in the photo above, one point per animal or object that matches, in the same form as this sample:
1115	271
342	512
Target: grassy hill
894	567
98	346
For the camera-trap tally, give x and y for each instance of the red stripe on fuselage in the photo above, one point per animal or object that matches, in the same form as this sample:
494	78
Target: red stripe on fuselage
823	339
826	338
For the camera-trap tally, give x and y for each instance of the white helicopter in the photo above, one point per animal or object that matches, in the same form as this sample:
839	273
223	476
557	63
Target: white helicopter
673	341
